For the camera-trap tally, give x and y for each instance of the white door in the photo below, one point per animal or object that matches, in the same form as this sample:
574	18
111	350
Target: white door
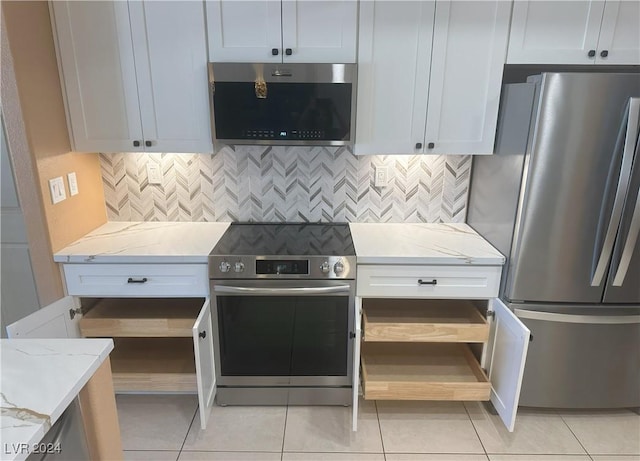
620	33
19	296
394	53
58	320
469	48
356	364
244	31
506	355
98	75
170	48
554	32
319	31
205	369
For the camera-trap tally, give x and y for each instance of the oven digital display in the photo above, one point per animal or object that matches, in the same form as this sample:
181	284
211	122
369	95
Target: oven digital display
282	266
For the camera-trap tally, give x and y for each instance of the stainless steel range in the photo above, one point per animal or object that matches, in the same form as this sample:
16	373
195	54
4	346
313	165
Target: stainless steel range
284	312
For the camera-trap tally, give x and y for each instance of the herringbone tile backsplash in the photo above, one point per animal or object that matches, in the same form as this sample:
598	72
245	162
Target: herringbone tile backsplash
285	184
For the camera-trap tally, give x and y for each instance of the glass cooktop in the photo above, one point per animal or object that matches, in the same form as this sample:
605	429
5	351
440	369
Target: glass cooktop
286	239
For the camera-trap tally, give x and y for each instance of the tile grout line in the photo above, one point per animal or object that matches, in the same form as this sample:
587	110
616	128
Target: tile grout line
574	435
384	452
188	430
284	432
475	430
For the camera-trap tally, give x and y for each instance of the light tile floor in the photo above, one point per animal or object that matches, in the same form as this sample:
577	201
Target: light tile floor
167	427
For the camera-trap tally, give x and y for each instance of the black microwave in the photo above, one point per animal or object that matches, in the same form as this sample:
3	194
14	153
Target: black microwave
283	104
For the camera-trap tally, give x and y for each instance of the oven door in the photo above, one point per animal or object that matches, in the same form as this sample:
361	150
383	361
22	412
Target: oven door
283	332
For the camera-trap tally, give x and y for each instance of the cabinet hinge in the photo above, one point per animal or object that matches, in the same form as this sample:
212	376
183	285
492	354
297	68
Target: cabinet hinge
74	312
491	314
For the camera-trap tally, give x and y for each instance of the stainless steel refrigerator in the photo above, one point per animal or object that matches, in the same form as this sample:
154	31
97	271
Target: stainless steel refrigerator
560	199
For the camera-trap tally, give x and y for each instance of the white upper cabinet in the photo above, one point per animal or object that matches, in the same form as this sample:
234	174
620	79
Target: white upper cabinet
134	75
469	48
429	76
620	33
393	76
575	32
98	75
287	31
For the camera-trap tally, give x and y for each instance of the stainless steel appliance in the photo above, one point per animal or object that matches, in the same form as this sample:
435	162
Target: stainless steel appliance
284	311
283	104
560	198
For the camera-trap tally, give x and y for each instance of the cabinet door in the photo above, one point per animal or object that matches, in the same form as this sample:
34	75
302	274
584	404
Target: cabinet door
620	33
506	355
95	54
244	31
356	364
205	369
554	32
170	49
394	54
319	31
58	320
469	49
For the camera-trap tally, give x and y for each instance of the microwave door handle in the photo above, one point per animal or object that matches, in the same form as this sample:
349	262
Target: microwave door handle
631	135
281	291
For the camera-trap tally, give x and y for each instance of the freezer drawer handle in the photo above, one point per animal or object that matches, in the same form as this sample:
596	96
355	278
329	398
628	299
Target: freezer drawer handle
427	282
630	130
142	280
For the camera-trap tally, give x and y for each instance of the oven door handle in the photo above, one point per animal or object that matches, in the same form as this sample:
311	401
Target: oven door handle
281	291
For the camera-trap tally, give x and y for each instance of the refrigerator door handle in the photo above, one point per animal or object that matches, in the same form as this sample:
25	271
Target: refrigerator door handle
631	135
632	237
577	318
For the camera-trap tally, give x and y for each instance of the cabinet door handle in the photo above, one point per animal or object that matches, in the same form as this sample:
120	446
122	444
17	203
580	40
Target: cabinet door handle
202	334
148	143
431	145
136	143
427	282
142	280
418	145
591	53
275	51
288	51
604	53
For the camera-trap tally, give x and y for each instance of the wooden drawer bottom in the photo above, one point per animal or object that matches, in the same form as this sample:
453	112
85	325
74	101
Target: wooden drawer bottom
158	364
402	371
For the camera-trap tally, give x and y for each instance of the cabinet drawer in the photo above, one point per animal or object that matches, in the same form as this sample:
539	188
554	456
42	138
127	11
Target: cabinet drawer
401	371
137	280
389	281
423	320
146	317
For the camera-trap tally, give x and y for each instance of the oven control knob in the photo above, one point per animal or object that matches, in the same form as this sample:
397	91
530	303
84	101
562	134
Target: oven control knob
224	266
239	266
325	267
338	267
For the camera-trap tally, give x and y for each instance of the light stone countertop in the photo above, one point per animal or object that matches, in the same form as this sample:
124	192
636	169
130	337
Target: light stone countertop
40	378
407	243
145	242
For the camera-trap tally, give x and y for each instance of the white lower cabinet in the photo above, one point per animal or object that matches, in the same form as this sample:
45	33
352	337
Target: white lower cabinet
413	345
163	340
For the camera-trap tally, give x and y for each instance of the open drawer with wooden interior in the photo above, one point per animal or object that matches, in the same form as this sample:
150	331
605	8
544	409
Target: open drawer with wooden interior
158	315
421	346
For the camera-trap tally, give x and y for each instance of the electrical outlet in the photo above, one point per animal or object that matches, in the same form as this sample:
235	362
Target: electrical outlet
73	183
381	176
58	193
154	174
